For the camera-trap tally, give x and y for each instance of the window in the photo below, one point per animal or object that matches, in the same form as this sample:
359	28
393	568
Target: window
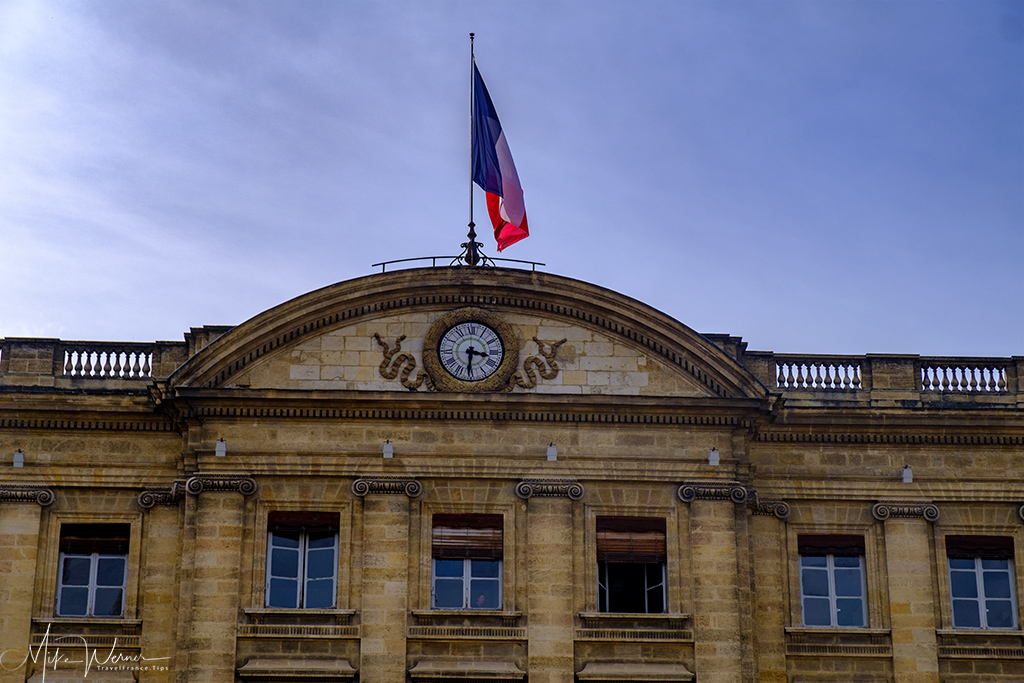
981	581
832	587
467	555
93	570
302	559
631	565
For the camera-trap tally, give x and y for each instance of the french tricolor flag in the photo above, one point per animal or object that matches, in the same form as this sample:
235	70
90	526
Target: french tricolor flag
494	170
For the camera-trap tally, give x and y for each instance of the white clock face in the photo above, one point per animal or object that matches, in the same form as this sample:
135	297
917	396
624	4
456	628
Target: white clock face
471	351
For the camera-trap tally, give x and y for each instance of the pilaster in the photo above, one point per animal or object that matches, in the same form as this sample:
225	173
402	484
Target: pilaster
19	537
910	559
549	555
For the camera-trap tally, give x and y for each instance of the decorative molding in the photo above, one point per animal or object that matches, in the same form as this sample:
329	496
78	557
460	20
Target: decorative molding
381	484
678	357
712	490
555	488
535	363
889	438
552	414
221	482
778	508
500	380
142	425
405	362
1020	512
169	496
26	494
883	510
469	632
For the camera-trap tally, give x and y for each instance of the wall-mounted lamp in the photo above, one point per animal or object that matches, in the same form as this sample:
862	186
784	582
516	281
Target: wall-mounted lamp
908	474
19	458
552	451
389	449
222	448
714	457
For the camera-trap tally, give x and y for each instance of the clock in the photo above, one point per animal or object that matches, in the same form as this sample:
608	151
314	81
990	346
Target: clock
470	349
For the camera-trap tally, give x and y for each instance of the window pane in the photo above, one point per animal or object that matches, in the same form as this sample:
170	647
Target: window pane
996	564
284	563
486	569
283	593
961	563
848	582
846	562
997	584
448	593
320	594
320	564
108	602
965	614
813	561
484	594
76	571
999	613
74	602
963	584
817	612
285	539
849	612
626	587
110	571
321	540
448	567
814	582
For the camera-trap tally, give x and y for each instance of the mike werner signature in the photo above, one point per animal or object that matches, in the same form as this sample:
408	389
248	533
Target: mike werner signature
53	658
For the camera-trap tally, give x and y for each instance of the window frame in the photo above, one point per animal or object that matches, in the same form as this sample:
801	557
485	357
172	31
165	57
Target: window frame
635	550
91	584
833	596
449	547
302	570
836	539
50	559
978	547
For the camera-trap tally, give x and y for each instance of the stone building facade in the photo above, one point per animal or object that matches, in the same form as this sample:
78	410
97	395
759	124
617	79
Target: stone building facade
489	474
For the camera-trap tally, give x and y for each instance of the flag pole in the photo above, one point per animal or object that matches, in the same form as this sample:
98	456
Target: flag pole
472	246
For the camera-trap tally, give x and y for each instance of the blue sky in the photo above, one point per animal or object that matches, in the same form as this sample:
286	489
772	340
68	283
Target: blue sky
820	177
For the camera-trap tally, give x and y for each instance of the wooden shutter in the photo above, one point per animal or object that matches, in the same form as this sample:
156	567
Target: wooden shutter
987	547
840	545
467	536
109	539
631	539
307	521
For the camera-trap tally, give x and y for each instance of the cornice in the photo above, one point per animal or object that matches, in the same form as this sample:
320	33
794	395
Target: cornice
499	289
891	438
111	424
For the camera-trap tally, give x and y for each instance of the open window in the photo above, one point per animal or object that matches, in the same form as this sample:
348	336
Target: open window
93	570
631	565
833	591
302	560
981	582
467	561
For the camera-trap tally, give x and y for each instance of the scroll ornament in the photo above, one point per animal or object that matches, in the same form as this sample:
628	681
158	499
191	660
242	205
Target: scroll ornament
26	494
403	363
886	509
213	482
712	490
387	485
535	363
567	488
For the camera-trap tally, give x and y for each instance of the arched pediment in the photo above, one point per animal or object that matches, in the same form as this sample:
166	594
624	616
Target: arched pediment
340	337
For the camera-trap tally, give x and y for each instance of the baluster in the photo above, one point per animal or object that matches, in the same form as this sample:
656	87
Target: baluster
1001	379
88	364
119	364
78	362
69	366
977	379
147	364
817	376
789	375
135	365
856	377
106	363
830	376
800	379
945	379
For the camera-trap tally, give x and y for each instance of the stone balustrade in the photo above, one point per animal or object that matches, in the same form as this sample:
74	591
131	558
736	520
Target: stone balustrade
879	379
